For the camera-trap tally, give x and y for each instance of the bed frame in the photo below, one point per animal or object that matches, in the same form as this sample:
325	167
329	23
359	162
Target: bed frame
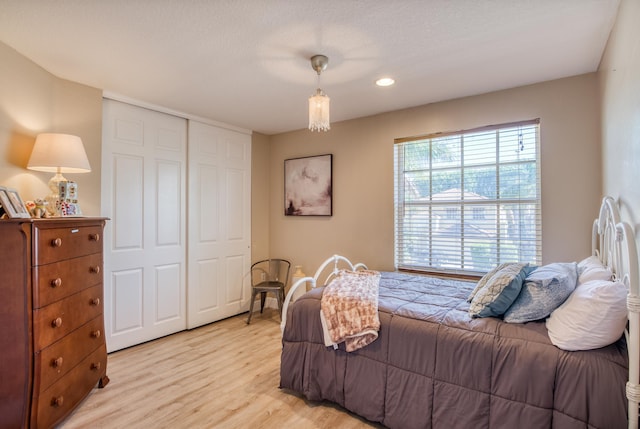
613	242
336	260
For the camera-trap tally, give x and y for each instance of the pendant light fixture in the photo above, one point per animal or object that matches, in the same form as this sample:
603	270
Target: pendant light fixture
319	102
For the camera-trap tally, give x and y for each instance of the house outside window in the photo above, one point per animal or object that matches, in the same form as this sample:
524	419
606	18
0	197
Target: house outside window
467	201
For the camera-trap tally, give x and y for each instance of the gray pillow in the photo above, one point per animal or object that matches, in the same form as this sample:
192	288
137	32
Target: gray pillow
487	277
499	291
544	289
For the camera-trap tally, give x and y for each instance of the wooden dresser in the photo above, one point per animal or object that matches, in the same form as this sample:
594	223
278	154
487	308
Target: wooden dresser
52	346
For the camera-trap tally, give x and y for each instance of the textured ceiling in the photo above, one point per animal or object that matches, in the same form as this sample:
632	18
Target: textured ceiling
246	62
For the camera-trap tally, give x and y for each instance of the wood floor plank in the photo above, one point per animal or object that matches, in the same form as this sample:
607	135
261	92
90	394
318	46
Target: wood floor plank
222	375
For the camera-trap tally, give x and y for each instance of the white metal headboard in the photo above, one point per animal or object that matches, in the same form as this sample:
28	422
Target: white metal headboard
336	260
613	241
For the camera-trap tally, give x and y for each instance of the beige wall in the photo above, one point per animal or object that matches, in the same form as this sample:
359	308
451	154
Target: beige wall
32	101
259	197
362	225
619	75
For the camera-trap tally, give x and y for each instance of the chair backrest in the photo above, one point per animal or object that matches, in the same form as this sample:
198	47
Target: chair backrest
275	270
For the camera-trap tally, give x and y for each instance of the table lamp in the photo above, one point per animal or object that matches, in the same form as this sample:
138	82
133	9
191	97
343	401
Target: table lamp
58	153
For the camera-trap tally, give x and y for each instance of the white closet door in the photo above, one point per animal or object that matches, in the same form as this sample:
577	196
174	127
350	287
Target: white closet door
143	192
219	223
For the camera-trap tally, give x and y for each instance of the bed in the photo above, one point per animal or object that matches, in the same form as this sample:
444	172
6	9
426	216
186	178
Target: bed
433	365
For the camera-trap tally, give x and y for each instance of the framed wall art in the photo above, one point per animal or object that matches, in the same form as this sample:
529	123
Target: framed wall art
12	203
308	186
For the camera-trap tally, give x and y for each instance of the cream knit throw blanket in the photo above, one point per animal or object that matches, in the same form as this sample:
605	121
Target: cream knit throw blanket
349	309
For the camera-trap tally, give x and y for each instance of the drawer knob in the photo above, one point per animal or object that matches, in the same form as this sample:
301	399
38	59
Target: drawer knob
56	242
95	334
94	237
95	366
96	269
57	363
57	322
95	302
57	402
56	282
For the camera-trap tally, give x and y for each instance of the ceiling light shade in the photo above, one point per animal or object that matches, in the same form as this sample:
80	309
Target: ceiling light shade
319	102
319	111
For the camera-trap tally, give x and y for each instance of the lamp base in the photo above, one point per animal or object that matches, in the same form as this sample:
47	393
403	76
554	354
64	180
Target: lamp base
53	199
63	200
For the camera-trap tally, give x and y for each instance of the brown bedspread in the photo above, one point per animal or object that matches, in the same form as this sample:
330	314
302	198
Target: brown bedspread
434	366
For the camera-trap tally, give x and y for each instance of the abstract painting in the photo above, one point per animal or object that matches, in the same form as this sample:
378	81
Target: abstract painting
308	186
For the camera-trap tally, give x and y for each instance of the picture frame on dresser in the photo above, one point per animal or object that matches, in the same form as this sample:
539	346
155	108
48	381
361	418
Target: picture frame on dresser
12	204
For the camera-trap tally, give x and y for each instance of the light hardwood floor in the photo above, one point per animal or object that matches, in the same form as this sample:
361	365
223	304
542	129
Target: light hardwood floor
222	375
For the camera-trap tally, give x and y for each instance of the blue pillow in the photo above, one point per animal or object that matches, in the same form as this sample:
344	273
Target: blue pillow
544	289
499	290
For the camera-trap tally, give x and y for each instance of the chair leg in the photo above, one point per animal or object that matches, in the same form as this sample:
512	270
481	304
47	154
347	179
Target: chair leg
280	302
263	297
253	298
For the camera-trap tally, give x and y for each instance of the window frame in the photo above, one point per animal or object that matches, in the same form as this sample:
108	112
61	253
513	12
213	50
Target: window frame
401	202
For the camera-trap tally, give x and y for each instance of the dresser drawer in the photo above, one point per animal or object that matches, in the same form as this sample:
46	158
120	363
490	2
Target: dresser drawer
56	320
59	243
55	281
58	400
56	360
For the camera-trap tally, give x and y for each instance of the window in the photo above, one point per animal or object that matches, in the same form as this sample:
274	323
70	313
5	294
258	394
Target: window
478	213
468	201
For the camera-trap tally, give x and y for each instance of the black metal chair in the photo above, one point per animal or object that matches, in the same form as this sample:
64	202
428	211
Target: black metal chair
268	275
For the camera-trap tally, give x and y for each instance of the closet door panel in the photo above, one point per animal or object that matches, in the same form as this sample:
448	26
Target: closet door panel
235	204
208	296
126	298
169	210
207	202
235	266
128	218
220	224
168	298
144	194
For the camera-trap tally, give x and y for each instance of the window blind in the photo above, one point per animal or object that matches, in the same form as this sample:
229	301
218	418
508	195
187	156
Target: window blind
469	200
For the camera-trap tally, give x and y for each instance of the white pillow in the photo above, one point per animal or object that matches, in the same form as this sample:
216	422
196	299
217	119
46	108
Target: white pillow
593	316
592	269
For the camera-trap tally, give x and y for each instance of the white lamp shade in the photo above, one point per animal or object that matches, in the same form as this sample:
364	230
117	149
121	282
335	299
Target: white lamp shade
59	153
319	112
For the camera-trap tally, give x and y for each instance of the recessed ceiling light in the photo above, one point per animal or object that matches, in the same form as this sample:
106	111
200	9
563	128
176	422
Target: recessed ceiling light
385	81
